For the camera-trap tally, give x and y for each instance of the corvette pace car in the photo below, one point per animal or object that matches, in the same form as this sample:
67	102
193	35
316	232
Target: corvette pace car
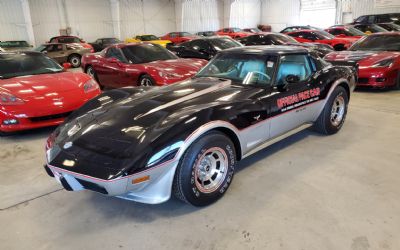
142	64
35	91
378	59
143	144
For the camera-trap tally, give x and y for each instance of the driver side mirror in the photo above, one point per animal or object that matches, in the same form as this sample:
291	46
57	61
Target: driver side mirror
66	66
292	79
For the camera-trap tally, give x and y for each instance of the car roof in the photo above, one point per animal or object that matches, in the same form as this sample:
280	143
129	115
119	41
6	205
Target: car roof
266	50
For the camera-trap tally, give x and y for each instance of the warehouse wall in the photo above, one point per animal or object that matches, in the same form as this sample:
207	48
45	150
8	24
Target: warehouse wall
352	9
12	23
280	13
200	15
245	13
147	17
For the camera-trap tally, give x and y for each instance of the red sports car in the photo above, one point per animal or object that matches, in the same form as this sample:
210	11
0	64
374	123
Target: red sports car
35	91
378	59
143	64
178	37
318	36
71	39
233	32
345	31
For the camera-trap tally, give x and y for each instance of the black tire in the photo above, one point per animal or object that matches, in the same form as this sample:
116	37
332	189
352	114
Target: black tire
325	124
74	60
146	81
187	186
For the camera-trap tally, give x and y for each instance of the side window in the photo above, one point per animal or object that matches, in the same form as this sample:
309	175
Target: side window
54	48
371	19
172	35
336	32
363	28
226	30
297	65
115	53
197	45
361	19
53	40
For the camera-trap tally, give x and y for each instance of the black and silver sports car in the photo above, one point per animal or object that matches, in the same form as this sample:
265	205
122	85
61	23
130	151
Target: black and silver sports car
145	143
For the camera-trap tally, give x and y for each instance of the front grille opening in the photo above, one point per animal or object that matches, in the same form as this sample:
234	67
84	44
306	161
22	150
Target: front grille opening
363	80
49	117
92	186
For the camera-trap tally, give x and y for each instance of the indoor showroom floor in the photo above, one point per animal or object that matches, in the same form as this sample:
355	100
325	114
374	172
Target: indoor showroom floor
306	192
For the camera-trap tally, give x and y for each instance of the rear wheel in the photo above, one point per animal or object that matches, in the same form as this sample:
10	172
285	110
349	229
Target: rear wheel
339	47
74	60
332	117
205	170
146	81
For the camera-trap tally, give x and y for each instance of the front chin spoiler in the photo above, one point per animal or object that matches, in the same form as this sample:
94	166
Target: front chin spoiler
156	189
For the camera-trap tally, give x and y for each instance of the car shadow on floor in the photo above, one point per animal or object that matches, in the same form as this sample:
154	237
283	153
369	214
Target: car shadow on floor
27	135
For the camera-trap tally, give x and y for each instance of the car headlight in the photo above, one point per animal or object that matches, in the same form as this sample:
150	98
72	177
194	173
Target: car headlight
384	63
9	99
165	154
90	86
169	75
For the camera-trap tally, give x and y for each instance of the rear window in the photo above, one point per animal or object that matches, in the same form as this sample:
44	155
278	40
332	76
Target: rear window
145	53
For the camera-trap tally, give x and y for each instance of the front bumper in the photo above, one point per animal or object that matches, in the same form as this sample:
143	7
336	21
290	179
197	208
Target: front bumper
376	77
155	189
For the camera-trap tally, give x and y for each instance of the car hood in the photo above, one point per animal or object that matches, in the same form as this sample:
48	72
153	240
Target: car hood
364	58
43	85
134	128
180	66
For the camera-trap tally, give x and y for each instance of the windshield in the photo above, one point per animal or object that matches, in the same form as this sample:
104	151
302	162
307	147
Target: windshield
185	34
69	40
144	53
241	68
351	31
111	40
378	43
282	39
14	44
224	43
40	48
149	38
21	64
236	30
322	35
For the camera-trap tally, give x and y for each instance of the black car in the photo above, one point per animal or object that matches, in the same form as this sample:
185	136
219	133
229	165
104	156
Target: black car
389	26
204	48
15	45
378	18
299	27
145	143
103	43
272	38
206	33
369	28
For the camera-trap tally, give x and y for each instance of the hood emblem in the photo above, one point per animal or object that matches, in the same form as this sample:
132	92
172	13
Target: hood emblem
67	145
257	117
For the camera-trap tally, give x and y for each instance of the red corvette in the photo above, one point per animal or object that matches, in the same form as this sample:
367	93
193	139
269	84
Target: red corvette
179	37
233	32
143	64
319	36
36	92
378	59
345	31
71	39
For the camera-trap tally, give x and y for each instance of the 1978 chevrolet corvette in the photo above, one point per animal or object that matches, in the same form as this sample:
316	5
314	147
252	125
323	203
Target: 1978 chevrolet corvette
145	143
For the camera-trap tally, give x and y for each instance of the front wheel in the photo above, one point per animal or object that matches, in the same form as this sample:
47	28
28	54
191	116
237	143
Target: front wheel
332	117
206	170
146	81
74	60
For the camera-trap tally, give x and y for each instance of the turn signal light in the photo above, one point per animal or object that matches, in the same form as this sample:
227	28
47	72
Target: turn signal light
141	179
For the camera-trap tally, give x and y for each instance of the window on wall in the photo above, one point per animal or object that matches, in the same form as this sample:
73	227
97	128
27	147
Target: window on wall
320	13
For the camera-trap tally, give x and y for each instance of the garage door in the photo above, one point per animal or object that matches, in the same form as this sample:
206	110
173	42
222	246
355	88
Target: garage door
320	13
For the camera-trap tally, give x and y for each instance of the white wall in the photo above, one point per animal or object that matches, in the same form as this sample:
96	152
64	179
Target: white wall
147	17
280	13
12	23
201	15
245	13
355	8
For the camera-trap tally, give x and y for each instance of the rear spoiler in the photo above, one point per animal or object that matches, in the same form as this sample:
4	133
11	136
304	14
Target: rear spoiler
350	64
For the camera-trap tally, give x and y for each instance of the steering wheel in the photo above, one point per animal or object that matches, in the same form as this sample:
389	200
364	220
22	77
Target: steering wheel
263	74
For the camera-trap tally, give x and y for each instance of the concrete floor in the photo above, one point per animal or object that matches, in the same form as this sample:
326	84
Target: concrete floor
306	192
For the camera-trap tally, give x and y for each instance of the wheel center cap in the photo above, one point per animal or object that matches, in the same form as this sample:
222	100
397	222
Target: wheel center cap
208	168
